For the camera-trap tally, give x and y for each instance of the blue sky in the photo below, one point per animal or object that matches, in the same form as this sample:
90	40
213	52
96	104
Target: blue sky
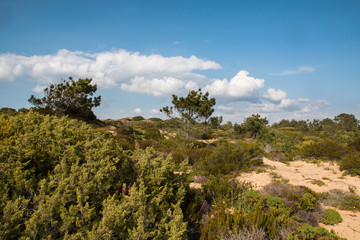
281	59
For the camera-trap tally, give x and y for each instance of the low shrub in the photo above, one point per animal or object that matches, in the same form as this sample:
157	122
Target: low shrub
153	133
252	211
342	200
350	202
326	149
351	163
296	197
308	232
229	157
331	217
138	118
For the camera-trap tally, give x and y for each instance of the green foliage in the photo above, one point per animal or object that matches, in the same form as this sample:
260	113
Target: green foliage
253	210
351	163
72	98
296	197
229	157
308	232
152	207
331	217
215	122
252	125
60	178
347	122
196	107
137	118
326	149
350	202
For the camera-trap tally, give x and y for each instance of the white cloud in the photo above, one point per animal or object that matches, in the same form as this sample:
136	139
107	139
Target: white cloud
191	86
39	89
155	87
154	111
274	95
240	87
303	69
108	69
289	104
225	109
137	110
263	108
315	106
176	43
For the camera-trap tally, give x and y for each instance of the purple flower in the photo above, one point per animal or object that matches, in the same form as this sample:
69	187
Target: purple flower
123	190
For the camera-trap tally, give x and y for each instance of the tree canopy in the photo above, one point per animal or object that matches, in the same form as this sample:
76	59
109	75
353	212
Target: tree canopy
70	97
196	107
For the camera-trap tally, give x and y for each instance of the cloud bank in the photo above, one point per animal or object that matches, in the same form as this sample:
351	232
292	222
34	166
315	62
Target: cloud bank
108	69
158	76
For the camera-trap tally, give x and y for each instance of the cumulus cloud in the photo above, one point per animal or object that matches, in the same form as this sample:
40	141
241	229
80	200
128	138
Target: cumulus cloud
315	106
154	111
303	69
240	87
225	109
108	69
137	110
274	95
156	87
39	89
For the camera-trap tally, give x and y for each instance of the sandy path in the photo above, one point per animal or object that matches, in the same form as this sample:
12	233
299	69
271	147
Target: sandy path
302	173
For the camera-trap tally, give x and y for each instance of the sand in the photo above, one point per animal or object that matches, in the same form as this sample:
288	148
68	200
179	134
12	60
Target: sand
308	174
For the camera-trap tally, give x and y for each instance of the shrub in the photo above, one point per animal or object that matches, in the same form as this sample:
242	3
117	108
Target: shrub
307	232
342	200
331	217
229	157
326	149
351	163
350	202
153	133
296	197
252	211
138	118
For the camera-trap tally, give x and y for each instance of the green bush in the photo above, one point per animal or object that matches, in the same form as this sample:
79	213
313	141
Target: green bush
331	217
351	163
138	118
153	133
296	197
342	200
350	202
308	232
229	157
194	155
252	210
326	149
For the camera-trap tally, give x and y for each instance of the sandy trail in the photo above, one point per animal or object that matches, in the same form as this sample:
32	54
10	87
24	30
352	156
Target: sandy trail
307	174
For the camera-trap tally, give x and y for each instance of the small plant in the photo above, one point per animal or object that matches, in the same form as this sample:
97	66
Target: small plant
331	217
351	164
318	182
260	170
326	178
350	202
352	189
308	232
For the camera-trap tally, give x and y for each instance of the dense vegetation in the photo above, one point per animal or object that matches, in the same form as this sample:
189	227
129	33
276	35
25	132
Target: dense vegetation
61	177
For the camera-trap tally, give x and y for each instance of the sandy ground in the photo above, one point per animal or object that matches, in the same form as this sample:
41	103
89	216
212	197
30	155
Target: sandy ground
306	174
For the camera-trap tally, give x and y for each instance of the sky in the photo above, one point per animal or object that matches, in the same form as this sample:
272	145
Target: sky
281	59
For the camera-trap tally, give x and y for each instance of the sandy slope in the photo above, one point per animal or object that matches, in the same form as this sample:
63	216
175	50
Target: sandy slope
302	173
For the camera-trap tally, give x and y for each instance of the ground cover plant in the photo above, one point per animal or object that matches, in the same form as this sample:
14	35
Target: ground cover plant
61	177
